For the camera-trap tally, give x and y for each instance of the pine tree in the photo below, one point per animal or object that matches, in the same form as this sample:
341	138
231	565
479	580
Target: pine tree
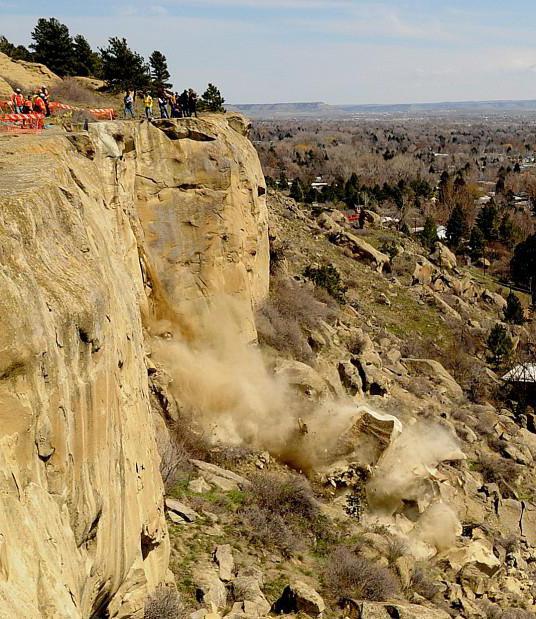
429	233
477	242
499	344
212	100
283	181
487	221
122	68
456	226
53	46
523	263
513	312
17	52
85	60
296	190
159	71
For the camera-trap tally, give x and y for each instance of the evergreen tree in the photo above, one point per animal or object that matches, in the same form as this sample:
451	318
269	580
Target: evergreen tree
85	60
487	220
53	46
477	242
523	263
212	100
296	190
445	189
500	344
283	181
17	52
159	71
122	68
456	226
429	233
513	312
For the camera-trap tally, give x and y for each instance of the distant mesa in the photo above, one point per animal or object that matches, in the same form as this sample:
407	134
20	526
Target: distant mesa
324	110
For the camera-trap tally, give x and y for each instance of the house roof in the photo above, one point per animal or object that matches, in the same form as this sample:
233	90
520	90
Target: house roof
524	373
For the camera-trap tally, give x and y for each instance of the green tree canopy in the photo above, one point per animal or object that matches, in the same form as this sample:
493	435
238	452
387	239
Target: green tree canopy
477	242
159	71
296	190
122	68
212	100
86	62
513	312
488	221
523	263
457	226
17	52
53	46
500	344
429	233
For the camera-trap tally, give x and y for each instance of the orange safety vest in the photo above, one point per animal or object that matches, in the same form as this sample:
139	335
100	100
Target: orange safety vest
39	104
17	99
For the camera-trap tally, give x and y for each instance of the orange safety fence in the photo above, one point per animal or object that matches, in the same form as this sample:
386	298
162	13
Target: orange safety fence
56	106
22	123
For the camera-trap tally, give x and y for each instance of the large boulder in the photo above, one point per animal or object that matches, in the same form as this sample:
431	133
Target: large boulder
363	251
437	374
355	609
299	597
443	257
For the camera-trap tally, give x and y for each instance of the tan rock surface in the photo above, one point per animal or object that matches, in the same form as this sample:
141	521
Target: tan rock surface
82	520
28	75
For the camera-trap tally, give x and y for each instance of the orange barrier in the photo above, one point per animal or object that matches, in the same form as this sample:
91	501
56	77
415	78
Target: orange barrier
98	113
107	113
27	123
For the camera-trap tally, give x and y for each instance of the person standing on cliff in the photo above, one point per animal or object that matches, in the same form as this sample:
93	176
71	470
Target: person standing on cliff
162	104
184	103
129	105
43	93
17	101
192	103
148	101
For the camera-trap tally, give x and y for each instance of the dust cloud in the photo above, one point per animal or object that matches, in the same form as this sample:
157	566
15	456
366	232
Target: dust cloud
229	388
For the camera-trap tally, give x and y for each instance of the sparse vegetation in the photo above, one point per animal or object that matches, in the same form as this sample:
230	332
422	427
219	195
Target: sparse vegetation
164	603
348	574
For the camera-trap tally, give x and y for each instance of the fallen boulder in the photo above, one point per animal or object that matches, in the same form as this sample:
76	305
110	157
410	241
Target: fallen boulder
299	597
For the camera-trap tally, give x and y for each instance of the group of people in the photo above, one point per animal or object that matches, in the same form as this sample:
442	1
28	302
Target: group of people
36	102
170	104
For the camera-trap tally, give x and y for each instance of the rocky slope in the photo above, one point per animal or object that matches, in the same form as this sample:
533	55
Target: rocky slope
102	234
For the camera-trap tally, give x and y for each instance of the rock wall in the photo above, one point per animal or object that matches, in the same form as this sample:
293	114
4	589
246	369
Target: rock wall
100	231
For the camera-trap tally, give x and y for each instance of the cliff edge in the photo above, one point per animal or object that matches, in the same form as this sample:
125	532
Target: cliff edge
102	232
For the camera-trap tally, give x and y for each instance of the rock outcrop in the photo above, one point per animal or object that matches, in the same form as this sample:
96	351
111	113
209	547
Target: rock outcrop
99	232
27	75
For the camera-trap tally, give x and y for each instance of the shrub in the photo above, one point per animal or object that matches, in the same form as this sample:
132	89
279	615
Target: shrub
282	512
70	90
500	471
291	311
422	584
329	278
164	603
350	575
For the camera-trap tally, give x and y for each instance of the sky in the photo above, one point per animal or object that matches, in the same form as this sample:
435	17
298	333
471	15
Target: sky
336	51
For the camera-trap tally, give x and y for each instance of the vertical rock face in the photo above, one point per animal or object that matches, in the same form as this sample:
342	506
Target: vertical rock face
90	226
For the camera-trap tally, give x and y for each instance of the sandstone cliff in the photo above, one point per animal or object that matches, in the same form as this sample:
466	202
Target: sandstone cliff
100	232
27	75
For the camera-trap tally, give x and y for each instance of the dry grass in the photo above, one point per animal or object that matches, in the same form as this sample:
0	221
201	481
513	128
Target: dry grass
350	575
71	91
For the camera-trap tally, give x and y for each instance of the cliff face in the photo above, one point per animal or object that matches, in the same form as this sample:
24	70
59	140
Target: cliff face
100	232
